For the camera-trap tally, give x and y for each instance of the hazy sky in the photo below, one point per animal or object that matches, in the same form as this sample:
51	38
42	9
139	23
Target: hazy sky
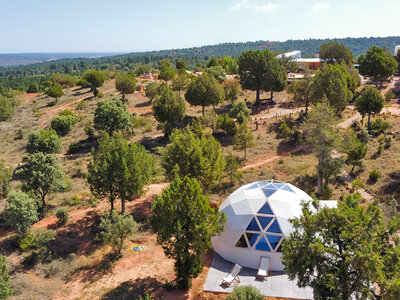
131	25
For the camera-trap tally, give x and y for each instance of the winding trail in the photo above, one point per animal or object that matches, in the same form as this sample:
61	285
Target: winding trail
271	159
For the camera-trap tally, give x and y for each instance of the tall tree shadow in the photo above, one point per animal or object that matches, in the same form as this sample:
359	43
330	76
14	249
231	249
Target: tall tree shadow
134	289
78	237
392	186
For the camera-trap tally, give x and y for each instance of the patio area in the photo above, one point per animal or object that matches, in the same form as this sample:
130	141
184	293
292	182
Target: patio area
276	285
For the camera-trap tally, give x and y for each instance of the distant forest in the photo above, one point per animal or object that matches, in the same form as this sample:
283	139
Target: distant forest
17	59
19	78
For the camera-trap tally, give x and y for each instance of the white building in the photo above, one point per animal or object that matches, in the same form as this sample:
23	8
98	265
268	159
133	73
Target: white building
258	221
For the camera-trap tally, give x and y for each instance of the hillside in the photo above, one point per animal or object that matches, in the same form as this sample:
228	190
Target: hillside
20	77
81	266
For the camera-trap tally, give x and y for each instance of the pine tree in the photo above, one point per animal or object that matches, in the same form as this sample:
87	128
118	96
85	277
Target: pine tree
184	223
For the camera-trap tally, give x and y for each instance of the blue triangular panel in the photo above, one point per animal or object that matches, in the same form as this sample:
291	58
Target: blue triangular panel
254	186
287	188
262	183
264	221
253	226
263	245
278	184
269	186
252	237
274	227
266	209
273	240
268	192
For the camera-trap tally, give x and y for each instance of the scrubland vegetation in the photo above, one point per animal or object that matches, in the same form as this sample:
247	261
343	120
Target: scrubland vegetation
89	167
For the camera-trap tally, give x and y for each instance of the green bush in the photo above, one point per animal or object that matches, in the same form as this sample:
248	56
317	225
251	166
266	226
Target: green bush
364	136
327	192
379	126
33	88
21	212
65	80
46	141
240	111
374	176
52	103
245	292
5	287
357	184
6	174
7	108
73	148
82	105
389	96
62	216
27	242
116	229
284	130
388	141
19	135
82	83
89	130
63	124
226	124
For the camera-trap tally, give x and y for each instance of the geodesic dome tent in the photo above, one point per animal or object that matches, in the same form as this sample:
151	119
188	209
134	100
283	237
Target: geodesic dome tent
258	221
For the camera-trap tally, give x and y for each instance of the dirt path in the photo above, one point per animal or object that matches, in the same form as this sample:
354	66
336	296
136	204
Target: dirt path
270	159
51	112
273	112
347	179
348	122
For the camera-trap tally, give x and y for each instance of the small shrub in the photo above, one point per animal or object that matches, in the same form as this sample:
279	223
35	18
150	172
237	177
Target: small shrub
388	141
93	201
89	130
5	287
364	136
374	176
81	105
21	212
31	259
389	96
73	148
76	200
98	94
27	242
116	229
51	103
63	124
62	216
45	141
19	135
284	130
33	88
226	124
245	292
357	184
327	192
379	126
240	111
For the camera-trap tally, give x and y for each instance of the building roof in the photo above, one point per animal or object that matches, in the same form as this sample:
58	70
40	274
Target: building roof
308	60
294	54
